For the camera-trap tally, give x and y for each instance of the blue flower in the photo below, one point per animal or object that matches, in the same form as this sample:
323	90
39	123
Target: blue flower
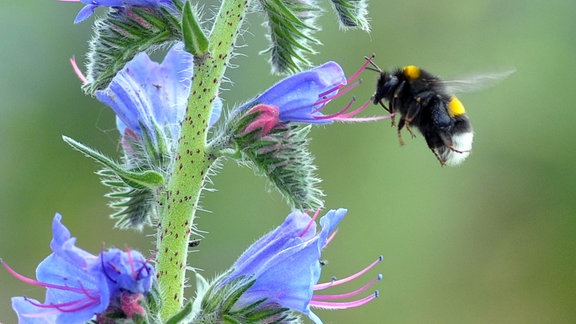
88	9
152	95
285	267
79	284
302	96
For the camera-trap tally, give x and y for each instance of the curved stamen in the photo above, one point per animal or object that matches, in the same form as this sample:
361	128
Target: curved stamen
347	117
325	99
104	267
344	305
350	294
349	278
131	263
77	70
330	238
337	114
41	284
310	223
361	69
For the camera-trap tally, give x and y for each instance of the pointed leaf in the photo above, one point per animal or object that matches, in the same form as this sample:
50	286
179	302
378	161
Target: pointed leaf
195	41
139	180
181	314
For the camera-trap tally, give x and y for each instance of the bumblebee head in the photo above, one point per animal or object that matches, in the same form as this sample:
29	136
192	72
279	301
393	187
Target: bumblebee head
387	83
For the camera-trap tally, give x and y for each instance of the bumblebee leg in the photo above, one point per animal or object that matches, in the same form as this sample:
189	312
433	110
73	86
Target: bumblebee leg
407	122
412	112
394	102
453	149
401	124
447	140
442	162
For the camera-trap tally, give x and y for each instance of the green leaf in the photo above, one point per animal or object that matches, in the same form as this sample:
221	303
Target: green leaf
181	314
195	41
135	179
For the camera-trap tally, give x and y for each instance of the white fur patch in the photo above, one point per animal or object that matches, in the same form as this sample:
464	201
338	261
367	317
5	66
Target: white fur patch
461	142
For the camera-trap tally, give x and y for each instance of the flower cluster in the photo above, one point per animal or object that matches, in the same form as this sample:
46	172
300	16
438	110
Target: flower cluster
171	137
81	285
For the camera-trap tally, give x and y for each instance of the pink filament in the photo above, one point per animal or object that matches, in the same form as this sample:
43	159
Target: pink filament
350	294
344	305
27	280
77	70
347	279
310	223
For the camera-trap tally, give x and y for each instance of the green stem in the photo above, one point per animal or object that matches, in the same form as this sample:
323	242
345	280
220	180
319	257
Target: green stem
192	162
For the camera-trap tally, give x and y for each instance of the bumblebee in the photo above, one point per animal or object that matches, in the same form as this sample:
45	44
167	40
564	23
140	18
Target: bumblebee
425	102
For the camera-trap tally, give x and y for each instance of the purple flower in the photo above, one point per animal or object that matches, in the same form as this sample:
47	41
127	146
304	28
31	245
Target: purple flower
285	266
302	96
90	5
153	95
80	284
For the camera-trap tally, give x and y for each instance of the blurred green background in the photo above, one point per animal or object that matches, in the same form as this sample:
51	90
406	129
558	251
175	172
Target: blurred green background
491	241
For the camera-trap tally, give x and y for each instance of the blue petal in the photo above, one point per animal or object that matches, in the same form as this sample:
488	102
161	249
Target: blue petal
145	92
216	112
252	261
296	95
88	10
84	13
30	314
77	290
63	246
128	271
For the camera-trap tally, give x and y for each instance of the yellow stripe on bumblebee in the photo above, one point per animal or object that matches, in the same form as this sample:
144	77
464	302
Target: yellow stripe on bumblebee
455	107
412	72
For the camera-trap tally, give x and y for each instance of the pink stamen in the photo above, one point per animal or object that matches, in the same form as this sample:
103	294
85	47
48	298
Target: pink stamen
67	307
350	294
340	113
38	283
361	69
344	305
310	223
330	238
336	88
342	85
104	267
334	283
77	70
131	262
325	99
347	117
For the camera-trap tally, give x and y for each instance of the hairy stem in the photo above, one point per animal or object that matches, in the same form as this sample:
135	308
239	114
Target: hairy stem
192	162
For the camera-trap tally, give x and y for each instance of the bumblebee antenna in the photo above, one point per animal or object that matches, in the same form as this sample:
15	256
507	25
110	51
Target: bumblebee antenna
374	67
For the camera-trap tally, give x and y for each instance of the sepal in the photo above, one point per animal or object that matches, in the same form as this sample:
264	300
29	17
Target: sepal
132	309
219	304
181	315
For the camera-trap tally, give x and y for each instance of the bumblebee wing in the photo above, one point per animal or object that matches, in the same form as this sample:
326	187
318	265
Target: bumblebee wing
475	82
